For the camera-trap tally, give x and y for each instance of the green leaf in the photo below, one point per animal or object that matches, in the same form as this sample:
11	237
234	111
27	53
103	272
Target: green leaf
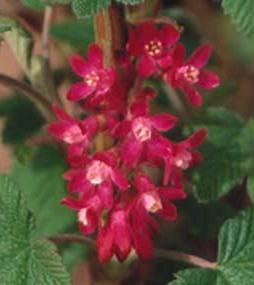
84	8
235	263
20	40
22	119
195	277
236	250
218	173
33	4
24	259
44	187
241	13
77	33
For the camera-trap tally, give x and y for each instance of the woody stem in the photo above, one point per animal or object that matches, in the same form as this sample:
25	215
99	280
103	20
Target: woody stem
158	253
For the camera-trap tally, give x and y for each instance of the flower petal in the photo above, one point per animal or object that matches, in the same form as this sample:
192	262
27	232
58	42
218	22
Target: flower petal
200	57
146	66
107	79
208	80
178	55
118	178
196	139
169	35
68	132
105	192
131	151
79	65
163	122
61	114
95	55
80	91
72	203
168	212
193	95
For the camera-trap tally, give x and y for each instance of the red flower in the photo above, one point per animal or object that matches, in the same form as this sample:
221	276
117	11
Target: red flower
115	237
70	130
151	45
97	80
186	75
76	133
141	130
97	177
157	199
89	208
177	156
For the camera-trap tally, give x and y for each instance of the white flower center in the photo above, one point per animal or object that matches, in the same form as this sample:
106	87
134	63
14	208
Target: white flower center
92	79
142	129
190	73
151	202
183	160
154	48
97	172
82	216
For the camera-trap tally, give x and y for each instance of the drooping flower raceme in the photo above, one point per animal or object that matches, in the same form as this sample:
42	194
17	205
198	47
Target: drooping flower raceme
111	190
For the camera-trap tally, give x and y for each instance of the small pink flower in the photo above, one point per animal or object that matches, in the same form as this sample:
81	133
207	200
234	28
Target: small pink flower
140	130
97	80
89	208
151	45
157	199
99	176
76	133
115	238
187	75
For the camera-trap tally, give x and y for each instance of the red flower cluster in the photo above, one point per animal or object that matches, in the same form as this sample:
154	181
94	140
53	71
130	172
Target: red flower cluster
112	190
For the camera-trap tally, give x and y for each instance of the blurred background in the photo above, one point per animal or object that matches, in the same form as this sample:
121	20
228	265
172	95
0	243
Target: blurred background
203	21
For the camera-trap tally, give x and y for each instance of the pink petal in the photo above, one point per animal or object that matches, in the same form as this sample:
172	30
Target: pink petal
147	31
163	122
68	132
146	66
178	55
197	138
61	114
201	56
92	222
168	212
95	55
172	193
131	151
169	35
143	245
80	91
107	157
208	80
165	61
107	79
105	240
72	203
79	65
193	95
105	192
197	158
118	178
122	241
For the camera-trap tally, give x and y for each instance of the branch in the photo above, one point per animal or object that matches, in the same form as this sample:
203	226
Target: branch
59	239
184	257
45	31
158	253
43	104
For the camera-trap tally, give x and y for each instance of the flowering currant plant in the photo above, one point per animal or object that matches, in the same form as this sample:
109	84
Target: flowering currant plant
127	158
112	190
